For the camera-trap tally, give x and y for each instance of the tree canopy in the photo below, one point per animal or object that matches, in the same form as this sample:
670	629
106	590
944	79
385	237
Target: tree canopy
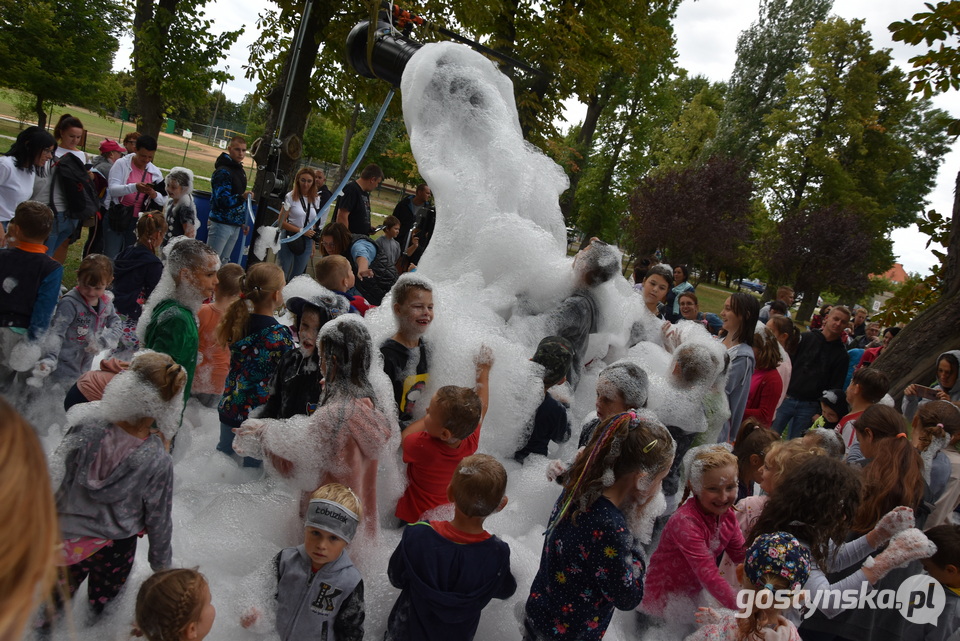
59	51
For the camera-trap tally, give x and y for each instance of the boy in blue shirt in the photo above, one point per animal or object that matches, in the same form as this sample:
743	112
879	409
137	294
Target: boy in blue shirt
449	570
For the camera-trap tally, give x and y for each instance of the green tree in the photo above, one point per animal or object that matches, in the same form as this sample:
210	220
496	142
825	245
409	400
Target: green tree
766	52
59	52
848	140
931	305
174	55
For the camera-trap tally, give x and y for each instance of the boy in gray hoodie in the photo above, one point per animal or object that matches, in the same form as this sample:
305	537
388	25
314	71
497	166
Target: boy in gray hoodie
319	591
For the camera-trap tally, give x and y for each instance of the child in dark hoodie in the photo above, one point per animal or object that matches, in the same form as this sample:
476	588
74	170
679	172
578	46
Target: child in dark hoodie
137	271
449	570
295	388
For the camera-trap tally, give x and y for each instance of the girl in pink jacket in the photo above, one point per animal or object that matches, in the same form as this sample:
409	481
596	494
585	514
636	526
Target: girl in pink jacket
700	531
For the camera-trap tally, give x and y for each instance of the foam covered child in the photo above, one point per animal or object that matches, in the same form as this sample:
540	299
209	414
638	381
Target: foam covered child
774	562
936	434
175	605
449	570
295	386
817	500
684	564
550	422
84	324
591	561
117	477
257	342
169	320
405	353
343	441
179	210
318	591
434	445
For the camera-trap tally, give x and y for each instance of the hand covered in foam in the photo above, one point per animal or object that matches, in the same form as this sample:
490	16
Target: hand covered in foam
706	616
893	522
40	371
484	358
907	546
555	468
250	617
247	439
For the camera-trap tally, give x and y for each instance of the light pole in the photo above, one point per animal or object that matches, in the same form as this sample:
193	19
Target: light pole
217	108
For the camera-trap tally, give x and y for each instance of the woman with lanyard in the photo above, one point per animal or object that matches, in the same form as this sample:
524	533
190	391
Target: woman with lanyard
298	206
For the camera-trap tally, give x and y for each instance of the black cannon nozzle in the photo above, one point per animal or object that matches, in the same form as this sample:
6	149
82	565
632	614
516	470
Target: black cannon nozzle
390	52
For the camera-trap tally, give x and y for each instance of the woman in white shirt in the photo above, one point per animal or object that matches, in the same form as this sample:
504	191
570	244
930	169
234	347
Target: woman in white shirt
299	206
68	133
19	169
131	184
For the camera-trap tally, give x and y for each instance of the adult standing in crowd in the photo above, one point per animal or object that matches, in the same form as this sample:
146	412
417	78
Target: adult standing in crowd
131	184
681	279
130	142
406	212
299	206
353	207
110	152
859	322
323	192
690	310
945	389
819	364
19	169
783	293
66	187
228	211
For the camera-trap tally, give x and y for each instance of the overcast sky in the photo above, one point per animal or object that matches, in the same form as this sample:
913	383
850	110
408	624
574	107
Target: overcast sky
706	32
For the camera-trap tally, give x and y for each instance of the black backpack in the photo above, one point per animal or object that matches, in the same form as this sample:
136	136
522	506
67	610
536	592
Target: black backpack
78	188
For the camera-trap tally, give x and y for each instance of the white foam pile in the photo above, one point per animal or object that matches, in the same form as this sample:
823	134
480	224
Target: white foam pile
498	265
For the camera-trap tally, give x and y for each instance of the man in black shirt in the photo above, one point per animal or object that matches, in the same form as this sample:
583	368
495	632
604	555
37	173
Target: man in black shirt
820	364
407	210
353	207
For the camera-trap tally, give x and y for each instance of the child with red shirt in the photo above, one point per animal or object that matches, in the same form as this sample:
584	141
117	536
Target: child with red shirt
867	387
449	570
447	434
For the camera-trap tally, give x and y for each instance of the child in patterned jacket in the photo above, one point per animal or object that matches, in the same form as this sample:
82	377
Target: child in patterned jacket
257	343
591	561
84	324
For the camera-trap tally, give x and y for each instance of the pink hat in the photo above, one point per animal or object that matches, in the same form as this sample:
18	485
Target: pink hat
111	145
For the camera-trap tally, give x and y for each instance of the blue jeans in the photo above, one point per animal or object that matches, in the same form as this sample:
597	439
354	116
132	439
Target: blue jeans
796	414
115	242
63	227
226	446
222	238
292	264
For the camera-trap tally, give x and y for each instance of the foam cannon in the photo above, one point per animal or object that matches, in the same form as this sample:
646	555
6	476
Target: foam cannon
381	47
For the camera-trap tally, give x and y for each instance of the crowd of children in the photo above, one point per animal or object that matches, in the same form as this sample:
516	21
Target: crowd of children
323	407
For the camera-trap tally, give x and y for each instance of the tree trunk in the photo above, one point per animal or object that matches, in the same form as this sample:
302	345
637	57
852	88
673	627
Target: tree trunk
149	101
299	71
598	102
807	306
41	114
347	137
911	356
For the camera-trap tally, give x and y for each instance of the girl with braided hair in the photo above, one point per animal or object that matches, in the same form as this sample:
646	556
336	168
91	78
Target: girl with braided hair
591	561
174	605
